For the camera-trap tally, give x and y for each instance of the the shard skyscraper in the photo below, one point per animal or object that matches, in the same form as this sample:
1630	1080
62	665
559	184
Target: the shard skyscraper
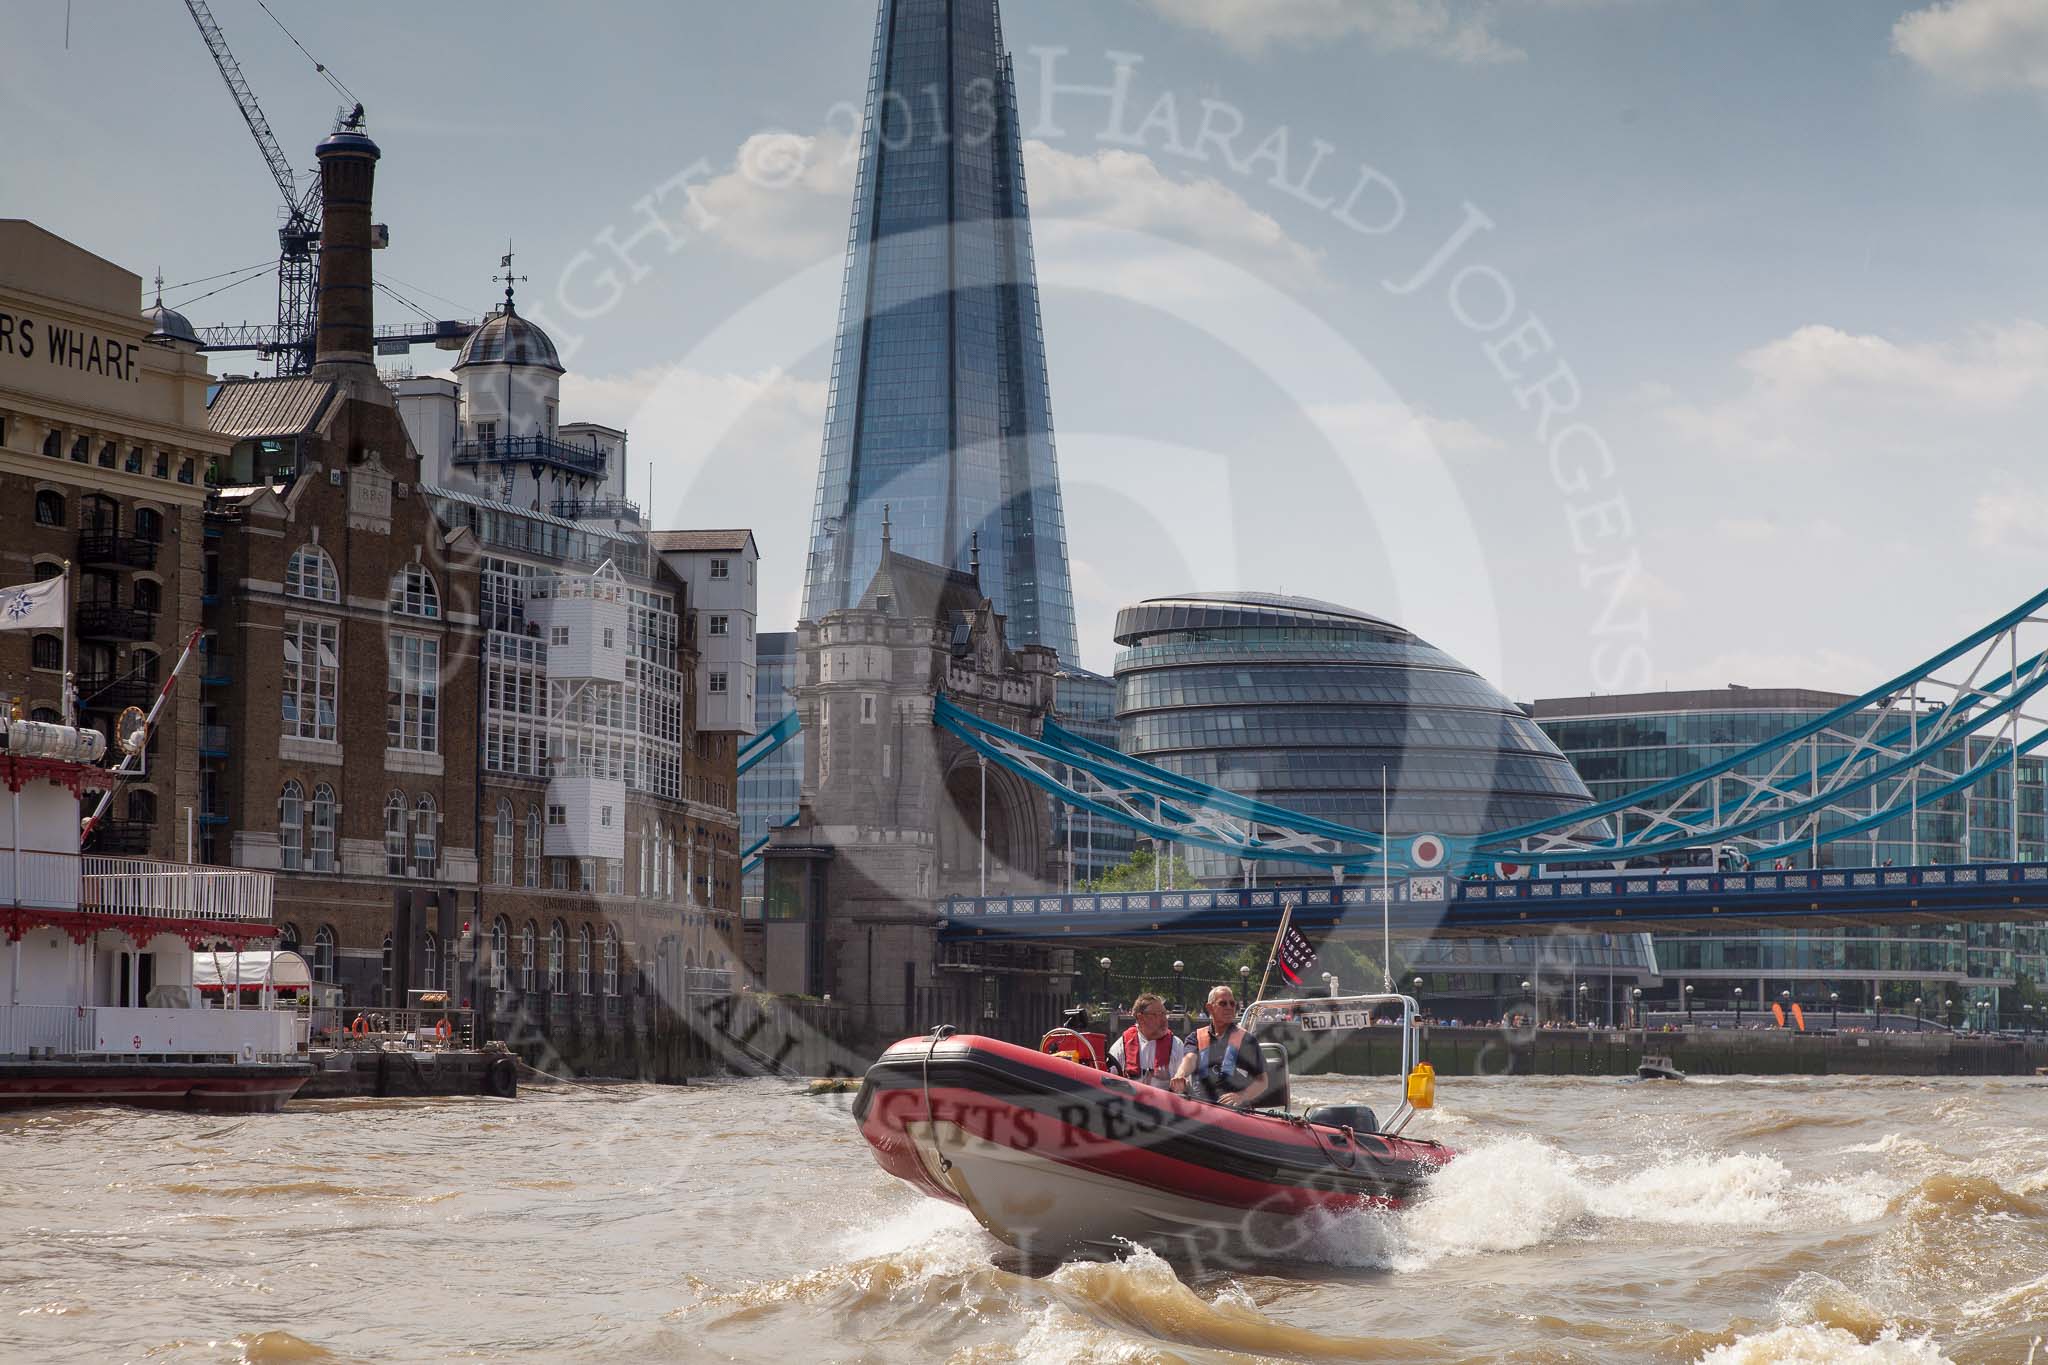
939	403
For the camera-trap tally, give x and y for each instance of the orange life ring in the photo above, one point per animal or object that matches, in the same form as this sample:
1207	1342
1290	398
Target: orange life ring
361	1027
442	1031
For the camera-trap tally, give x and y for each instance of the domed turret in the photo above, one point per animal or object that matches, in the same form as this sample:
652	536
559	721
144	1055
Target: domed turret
509	339
167	326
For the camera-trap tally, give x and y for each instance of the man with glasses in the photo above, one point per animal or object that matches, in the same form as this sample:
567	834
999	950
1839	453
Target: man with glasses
1223	1064
1148	1051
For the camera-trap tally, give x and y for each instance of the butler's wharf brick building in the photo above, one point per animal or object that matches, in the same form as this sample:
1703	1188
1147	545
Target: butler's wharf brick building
455	689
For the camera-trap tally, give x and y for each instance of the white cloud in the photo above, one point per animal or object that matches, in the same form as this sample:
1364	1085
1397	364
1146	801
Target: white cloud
1993	365
788	195
1979	44
1434	27
1400	432
786	198
1830	670
1127	190
2010	518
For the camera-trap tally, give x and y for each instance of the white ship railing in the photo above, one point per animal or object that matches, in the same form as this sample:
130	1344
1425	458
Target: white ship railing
42	881
139	886
58	1030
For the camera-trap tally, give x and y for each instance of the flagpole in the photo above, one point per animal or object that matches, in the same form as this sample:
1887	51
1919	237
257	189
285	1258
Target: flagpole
1386	892
1286	914
70	692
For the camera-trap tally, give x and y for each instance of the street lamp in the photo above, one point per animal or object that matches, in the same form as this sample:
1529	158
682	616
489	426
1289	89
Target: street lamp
1786	996
1916	1014
1635	1005
1105	984
1738	1007
1835	1011
1948	1013
1178	968
1688	1005
1579	1017
1526	990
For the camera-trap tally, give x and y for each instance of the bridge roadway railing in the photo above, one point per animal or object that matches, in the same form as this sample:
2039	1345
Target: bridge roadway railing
1679	898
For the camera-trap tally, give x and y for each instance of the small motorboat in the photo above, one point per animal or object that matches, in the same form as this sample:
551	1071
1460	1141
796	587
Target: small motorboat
1052	1153
1657	1066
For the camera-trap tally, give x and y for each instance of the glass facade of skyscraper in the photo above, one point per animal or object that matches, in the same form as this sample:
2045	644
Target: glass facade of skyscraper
1621	744
769	791
940	408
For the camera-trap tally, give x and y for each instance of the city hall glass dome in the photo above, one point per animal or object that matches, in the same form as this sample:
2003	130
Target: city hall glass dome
1304	704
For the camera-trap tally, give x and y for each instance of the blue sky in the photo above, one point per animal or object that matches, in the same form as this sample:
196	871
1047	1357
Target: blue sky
1738	374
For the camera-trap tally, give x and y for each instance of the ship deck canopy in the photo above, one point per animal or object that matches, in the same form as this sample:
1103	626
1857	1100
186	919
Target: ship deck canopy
281	969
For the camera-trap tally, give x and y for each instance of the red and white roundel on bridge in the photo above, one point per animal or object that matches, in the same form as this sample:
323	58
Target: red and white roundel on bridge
1509	872
1426	850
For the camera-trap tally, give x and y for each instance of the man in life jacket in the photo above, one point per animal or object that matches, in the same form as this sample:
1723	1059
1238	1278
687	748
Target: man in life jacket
1148	1051
1223	1064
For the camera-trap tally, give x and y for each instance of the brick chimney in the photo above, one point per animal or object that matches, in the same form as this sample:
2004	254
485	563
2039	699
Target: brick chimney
344	346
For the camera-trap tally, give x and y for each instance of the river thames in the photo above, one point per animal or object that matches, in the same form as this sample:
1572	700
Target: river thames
1725	1220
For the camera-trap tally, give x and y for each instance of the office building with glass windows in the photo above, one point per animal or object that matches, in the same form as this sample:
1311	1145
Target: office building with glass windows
1623	743
1312	706
940	411
1087	705
769	791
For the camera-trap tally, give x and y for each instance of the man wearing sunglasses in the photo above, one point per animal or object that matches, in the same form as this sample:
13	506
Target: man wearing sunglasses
1148	1051
1223	1065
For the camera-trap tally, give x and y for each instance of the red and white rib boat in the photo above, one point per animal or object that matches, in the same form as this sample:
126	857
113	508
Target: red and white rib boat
1051	1154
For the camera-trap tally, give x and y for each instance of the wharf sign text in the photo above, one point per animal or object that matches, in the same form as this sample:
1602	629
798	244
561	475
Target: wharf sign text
69	348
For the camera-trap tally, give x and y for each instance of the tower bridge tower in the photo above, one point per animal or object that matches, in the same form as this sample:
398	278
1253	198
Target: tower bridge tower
895	813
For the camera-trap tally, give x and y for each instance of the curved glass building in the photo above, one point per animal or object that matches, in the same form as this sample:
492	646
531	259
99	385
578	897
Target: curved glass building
1309	706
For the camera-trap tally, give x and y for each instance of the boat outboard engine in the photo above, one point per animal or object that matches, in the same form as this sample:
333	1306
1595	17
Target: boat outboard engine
1358	1118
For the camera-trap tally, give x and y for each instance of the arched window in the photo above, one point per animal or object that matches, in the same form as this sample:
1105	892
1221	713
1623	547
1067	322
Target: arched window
501	845
426	838
501	935
430	959
46	715
310	574
389	984
149	525
533	846
323	953
611	959
526	951
647	887
557	941
149	595
98	515
583	960
291	827
413	592
49	508
320	854
46	570
394	834
288	937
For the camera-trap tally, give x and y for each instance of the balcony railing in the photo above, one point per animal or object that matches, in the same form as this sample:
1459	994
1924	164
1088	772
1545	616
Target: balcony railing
112	691
132	552
45	881
597	509
213	741
215	668
120	836
587	460
103	1030
101	621
137	886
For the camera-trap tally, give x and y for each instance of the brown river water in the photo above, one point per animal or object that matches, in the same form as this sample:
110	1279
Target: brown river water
1722	1220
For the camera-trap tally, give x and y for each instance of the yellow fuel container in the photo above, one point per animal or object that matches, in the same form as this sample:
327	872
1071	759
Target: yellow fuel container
1422	1086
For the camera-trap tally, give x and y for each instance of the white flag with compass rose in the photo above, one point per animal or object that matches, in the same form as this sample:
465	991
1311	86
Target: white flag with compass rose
33	606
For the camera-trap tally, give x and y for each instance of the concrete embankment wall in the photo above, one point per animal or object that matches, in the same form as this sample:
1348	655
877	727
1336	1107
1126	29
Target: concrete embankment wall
723	1035
1708	1052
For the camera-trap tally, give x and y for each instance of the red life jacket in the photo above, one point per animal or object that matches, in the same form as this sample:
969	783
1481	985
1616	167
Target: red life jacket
1132	1045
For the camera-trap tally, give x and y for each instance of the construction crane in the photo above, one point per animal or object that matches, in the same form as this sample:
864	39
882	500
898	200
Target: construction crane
291	341
298	234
